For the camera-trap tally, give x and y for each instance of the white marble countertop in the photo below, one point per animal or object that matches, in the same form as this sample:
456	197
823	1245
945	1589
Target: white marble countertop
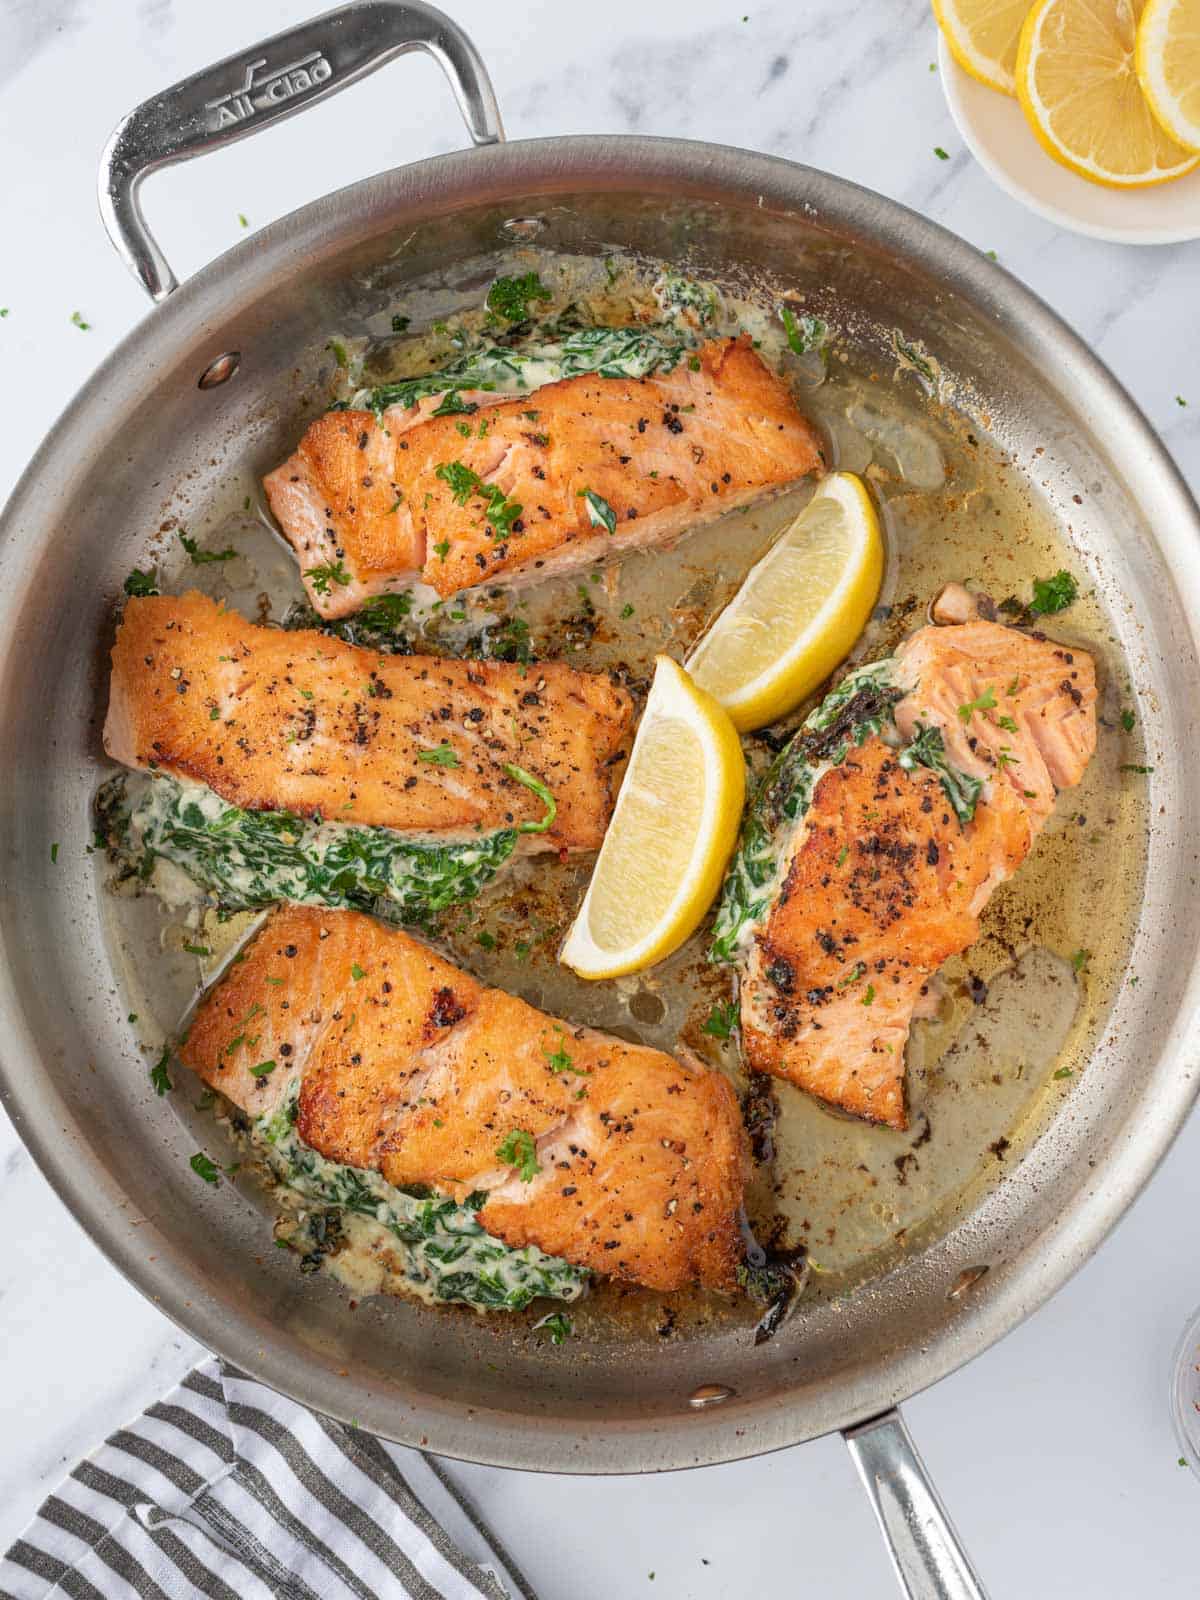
1055	1450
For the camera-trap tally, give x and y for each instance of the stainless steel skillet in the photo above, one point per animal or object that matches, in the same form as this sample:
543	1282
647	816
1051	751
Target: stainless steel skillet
215	383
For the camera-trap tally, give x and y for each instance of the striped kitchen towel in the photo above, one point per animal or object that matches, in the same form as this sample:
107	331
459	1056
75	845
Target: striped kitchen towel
226	1490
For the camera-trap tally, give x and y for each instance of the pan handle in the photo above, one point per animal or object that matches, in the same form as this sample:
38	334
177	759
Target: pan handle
926	1552
262	85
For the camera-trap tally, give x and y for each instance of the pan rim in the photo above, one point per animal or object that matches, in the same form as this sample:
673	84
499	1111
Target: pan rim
363	210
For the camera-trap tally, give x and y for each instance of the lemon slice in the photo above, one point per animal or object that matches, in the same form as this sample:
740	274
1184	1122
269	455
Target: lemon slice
1168	67
671	834
1078	88
983	36
800	609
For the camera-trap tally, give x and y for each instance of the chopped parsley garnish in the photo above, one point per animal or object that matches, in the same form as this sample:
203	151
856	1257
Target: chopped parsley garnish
54	852
511	298
242	219
804	333
400	324
460	479
1064	1072
328	573
141	583
985	702
356	972
869	995
200	557
159	1076
857	971
1080	960
197	950
500	512
204	1168
1179	400
263	1069
626	610
486	940
1007	724
559	1060
941	154
339	352
1053	594
442	549
557	1327
1129	766
600	513
442	755
842	854
78	322
721	1020
519	1150
1127	720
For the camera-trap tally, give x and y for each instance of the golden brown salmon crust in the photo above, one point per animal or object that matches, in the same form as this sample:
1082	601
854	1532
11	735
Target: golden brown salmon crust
418	1071
665	453
884	884
879	894
297	721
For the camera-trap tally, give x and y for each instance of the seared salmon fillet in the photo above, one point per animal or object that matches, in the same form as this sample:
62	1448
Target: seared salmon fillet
574	472
612	1156
297	721
884	878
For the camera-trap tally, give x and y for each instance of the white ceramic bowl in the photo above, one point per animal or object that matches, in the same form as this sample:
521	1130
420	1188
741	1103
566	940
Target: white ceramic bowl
994	129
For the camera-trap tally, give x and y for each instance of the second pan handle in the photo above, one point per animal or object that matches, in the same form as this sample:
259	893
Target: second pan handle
925	1549
262	85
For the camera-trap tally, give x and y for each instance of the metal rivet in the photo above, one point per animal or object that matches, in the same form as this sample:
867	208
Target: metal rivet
221	370
967	1279
710	1394
523	227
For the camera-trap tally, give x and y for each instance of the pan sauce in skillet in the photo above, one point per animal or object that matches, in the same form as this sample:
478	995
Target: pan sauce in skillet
1019	1010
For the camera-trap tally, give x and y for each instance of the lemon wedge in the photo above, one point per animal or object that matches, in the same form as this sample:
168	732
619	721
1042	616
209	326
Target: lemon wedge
983	37
1168	67
1078	87
671	835
800	609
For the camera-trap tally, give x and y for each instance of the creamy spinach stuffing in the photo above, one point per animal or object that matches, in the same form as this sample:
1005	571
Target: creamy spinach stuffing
248	859
554	354
444	1251
862	705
